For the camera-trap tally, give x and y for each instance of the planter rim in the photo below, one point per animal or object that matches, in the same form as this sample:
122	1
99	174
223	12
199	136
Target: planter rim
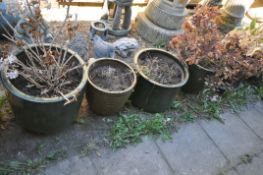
8	85
206	69
108	91
173	56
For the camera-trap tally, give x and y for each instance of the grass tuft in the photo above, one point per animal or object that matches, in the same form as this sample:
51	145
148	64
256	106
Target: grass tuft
129	129
30	166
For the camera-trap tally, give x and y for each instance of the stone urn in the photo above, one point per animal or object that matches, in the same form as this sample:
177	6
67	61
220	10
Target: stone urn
232	14
161	20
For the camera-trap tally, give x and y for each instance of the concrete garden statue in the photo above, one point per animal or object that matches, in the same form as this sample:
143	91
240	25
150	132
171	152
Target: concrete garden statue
161	20
119	22
9	16
99	28
25	25
212	2
123	47
232	14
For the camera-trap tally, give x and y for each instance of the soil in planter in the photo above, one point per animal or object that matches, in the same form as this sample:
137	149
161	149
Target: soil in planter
161	69
73	79
111	77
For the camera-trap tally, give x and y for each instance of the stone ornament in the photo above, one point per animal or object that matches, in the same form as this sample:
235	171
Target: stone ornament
212	3
161	20
79	44
232	14
99	28
123	47
24	27
11	18
119	22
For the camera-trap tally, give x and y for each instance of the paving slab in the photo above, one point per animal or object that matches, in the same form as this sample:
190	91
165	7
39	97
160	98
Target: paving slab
253	168
254	119
232	172
233	137
73	166
142	159
259	106
191	152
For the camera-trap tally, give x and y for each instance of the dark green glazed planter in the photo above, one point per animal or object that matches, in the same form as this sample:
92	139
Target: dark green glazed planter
150	95
196	82
44	115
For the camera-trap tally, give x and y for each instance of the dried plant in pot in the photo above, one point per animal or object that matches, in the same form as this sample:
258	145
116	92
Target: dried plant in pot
242	59
110	84
45	83
161	75
42	104
199	46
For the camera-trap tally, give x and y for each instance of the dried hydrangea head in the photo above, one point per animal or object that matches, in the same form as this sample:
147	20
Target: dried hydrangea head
12	74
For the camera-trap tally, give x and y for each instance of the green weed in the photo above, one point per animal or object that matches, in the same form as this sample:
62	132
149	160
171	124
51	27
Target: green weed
88	148
237	98
30	166
161	43
3	100
5	113
259	91
129	129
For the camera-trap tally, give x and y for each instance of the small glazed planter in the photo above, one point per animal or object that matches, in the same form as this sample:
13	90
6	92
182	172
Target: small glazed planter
103	101
196	82
45	115
152	96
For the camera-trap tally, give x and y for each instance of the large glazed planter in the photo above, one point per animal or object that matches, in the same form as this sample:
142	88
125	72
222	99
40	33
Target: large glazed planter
150	95
106	102
12	20
196	82
45	115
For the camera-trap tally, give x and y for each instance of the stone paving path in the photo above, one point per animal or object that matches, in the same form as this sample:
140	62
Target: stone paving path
200	148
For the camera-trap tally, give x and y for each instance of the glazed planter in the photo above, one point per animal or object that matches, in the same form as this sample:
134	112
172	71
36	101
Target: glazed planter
12	19
44	115
150	95
197	75
106	102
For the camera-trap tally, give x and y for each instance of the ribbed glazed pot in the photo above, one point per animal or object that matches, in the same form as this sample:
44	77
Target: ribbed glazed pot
45	115
150	95
103	101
